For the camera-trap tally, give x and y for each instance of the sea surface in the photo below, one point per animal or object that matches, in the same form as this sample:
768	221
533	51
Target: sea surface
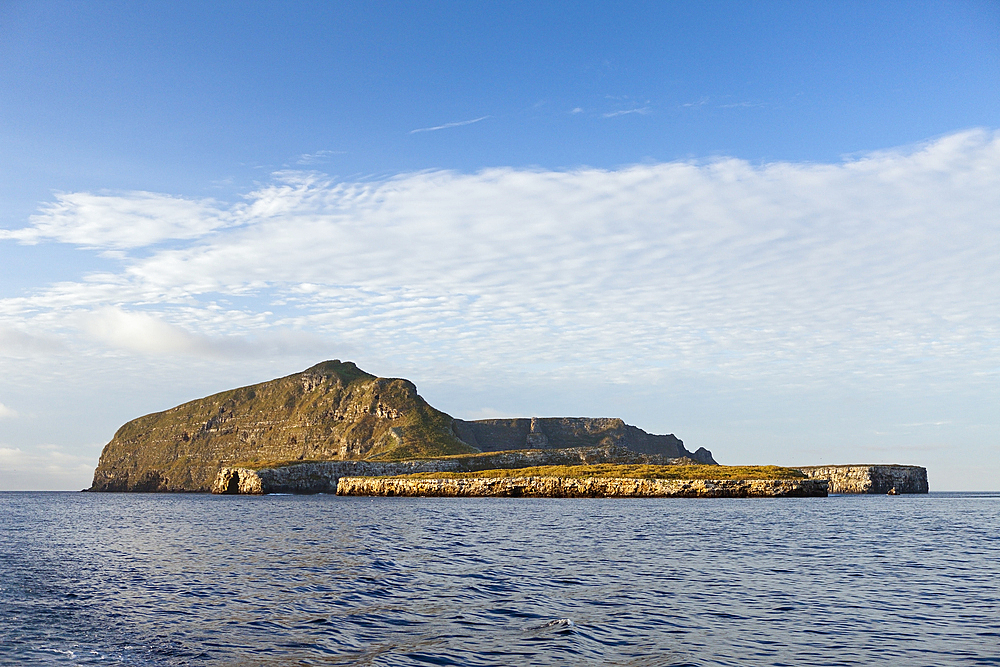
149	579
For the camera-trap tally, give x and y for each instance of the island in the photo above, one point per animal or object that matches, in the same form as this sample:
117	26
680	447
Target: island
335	428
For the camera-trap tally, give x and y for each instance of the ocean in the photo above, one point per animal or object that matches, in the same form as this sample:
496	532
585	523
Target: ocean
137	579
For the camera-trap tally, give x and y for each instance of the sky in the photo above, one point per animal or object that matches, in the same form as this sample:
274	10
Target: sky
769	228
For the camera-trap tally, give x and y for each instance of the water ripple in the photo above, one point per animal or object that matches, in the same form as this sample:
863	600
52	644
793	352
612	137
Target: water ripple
201	580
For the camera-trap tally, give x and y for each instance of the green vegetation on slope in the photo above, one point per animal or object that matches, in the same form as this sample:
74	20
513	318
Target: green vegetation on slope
332	411
626	471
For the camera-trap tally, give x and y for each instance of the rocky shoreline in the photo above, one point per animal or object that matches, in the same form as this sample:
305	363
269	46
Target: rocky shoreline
586	487
322	476
871	479
329	476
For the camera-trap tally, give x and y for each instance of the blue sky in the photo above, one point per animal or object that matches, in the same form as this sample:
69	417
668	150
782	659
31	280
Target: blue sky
770	228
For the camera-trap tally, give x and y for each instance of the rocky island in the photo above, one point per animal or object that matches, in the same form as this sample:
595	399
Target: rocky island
334	419
335	428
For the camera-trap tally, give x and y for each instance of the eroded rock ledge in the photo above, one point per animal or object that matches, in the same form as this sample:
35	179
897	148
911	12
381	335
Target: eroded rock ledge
874	479
589	487
317	477
322	476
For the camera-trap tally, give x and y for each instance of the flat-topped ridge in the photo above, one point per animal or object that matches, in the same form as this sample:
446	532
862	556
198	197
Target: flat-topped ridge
491	435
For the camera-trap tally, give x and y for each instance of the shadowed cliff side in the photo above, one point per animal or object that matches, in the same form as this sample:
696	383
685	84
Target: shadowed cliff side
332	411
494	435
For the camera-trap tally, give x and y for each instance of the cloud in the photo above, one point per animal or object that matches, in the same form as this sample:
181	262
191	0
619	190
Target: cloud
149	334
741	105
129	220
319	157
16	343
642	111
45	467
6	413
140	332
447	125
876	271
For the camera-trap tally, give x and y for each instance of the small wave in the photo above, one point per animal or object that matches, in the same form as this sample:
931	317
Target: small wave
69	654
559	625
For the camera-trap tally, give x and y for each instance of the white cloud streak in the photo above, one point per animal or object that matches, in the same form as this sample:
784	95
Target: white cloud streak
7	413
319	157
448	125
641	111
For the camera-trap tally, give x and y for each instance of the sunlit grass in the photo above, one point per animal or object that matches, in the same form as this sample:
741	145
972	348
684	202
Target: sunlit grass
625	471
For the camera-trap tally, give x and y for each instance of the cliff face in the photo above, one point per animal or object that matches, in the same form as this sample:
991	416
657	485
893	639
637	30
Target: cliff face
494	435
332	411
871	478
591	487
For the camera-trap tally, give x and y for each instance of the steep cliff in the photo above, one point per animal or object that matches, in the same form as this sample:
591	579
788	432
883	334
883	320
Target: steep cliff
494	435
332	411
891	479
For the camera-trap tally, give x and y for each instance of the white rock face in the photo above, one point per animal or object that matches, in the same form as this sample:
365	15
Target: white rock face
877	479
588	487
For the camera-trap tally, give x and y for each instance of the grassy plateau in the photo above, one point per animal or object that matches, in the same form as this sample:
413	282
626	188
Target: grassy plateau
637	471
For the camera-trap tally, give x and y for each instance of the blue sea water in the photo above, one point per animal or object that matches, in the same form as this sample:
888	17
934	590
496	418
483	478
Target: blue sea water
135	579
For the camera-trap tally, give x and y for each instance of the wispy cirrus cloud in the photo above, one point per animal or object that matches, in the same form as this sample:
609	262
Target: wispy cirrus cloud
317	158
700	103
742	105
449	125
7	413
642	111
